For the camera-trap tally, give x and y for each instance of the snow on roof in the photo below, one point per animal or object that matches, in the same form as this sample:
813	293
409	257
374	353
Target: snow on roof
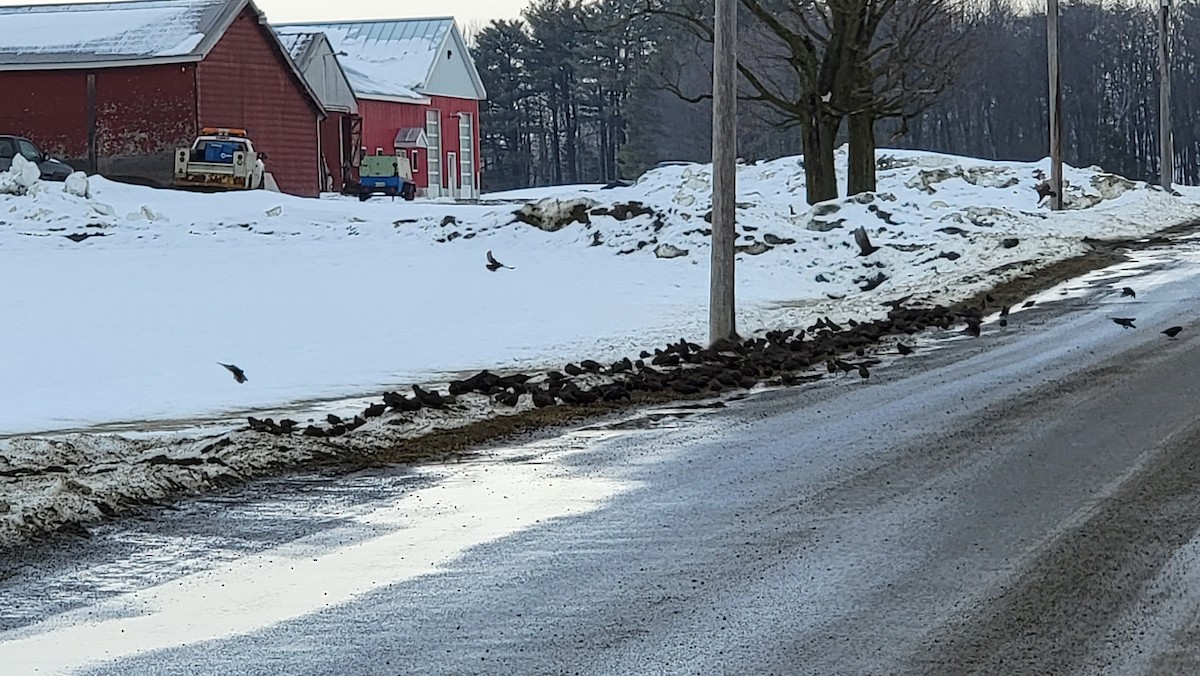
94	33
297	44
389	59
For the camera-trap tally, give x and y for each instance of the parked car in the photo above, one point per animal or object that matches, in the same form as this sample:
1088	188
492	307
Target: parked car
52	169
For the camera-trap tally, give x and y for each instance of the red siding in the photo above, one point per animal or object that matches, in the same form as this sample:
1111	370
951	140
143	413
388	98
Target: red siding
48	107
245	82
383	119
142	115
335	148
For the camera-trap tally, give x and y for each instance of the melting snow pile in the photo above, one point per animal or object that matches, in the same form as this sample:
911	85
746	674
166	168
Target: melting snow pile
120	300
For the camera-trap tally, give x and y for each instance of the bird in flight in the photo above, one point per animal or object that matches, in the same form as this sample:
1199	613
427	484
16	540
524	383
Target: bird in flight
494	265
1172	332
865	248
1126	322
238	374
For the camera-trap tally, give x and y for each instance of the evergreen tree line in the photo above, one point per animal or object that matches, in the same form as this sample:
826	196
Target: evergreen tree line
594	92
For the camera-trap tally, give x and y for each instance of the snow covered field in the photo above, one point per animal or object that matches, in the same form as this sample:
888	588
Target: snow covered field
332	298
324	299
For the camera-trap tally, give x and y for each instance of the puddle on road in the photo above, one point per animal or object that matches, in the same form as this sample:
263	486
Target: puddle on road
210	583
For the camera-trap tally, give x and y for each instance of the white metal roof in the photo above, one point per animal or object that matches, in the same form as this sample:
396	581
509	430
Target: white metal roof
112	34
98	33
393	59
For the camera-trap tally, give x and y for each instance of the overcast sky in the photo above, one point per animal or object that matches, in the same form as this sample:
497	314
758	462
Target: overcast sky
468	12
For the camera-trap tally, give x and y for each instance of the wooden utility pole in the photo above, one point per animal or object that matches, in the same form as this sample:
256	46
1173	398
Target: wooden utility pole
722	315
1056	100
1166	142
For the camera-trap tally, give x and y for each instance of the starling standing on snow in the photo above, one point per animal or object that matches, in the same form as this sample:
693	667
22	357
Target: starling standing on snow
1126	322
1172	332
904	349
494	265
238	374
1128	292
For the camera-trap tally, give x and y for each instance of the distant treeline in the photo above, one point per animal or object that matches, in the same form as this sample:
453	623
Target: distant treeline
588	92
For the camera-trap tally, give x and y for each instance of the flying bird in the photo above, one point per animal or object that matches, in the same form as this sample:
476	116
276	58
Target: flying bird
238	374
1172	332
494	265
1126	322
1128	292
864	242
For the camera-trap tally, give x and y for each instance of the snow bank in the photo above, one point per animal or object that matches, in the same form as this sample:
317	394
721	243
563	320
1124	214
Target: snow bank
126	298
120	300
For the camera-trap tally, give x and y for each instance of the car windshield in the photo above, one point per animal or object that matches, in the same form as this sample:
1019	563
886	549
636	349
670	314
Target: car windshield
29	151
8	149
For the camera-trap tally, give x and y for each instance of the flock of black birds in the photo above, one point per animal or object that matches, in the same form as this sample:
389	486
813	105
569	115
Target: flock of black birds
685	368
1128	322
682	369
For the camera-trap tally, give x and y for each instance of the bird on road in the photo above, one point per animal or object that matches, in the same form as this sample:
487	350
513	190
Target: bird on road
1172	332
238	374
904	349
494	265
863	372
973	329
1128	292
1126	322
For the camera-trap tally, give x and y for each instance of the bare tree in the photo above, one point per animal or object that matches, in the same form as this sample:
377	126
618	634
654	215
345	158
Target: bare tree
813	63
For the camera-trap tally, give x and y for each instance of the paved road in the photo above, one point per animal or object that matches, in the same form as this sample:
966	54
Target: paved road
1028	502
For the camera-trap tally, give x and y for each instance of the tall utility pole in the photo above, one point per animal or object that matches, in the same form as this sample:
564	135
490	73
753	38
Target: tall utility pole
1166	142
1056	100
722	316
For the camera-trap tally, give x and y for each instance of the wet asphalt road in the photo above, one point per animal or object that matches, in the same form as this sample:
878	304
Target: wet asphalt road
1028	502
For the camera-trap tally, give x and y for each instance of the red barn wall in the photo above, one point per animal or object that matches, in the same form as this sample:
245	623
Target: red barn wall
245	82
335	148
49	107
383	119
142	115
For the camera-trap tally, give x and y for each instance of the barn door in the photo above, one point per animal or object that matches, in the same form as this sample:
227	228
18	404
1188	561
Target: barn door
351	148
433	138
466	155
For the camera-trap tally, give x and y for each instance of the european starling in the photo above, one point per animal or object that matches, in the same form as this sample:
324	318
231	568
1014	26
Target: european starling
1126	322
238	374
494	265
864	242
973	328
904	349
1128	292
1172	332
863	372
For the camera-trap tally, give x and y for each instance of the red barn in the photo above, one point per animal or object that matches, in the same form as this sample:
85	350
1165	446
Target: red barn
341	132
115	87
418	93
